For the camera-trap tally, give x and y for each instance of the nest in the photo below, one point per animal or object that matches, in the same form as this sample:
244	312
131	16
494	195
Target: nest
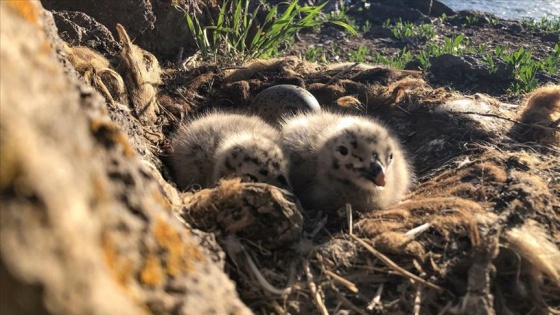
476	235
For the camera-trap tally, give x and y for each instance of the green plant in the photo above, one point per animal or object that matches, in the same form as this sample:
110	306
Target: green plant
397	61
551	63
341	18
526	78
489	61
471	20
546	24
402	29
315	54
237	36
500	50
366	27
451	45
359	55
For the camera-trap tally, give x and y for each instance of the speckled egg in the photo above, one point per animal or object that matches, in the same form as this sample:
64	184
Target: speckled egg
284	99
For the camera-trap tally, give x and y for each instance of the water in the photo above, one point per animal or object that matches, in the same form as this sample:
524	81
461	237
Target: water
512	9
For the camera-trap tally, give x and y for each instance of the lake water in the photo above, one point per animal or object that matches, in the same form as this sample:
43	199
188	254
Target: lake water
513	9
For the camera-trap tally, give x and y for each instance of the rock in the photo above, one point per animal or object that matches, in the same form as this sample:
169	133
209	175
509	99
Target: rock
430	7
516	27
157	26
551	37
87	226
476	17
380	13
79	29
411	11
458	69
170	32
137	16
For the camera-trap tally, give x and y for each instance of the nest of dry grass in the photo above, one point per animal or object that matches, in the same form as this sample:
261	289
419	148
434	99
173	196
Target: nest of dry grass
478	234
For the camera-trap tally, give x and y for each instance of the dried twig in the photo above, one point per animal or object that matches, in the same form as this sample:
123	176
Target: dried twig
417	230
394	266
404	110
346	301
313	288
349	217
347	283
376	298
261	279
417	300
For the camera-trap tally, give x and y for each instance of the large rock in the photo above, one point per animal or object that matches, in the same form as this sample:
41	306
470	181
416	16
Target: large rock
137	16
79	29
86	227
157	26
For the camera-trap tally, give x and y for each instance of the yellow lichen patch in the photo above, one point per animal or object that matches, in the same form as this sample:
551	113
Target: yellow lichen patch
159	198
120	267
179	254
110	134
152	273
26	9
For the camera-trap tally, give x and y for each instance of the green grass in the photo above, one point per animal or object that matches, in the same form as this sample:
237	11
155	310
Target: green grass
229	38
402	29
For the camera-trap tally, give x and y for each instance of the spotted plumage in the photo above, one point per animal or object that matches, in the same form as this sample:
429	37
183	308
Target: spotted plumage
338	159
219	145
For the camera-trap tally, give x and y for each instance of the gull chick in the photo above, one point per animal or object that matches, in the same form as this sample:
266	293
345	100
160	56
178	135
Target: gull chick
338	159
219	145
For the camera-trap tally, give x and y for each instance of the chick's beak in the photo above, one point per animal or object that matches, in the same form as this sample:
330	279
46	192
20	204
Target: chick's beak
375	173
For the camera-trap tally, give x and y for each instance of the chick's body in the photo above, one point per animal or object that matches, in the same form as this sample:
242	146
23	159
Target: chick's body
219	145
337	159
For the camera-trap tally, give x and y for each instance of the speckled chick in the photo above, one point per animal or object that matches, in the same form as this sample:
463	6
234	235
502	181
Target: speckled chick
284	99
338	159
219	145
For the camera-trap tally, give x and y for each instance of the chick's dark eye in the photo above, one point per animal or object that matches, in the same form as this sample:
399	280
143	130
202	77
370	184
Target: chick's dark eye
342	150
390	156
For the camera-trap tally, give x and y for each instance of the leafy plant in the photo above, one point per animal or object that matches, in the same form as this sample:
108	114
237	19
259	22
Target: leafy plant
402	29
315	54
551	63
341	16
500	50
546	24
366	27
359	55
471	20
489	61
